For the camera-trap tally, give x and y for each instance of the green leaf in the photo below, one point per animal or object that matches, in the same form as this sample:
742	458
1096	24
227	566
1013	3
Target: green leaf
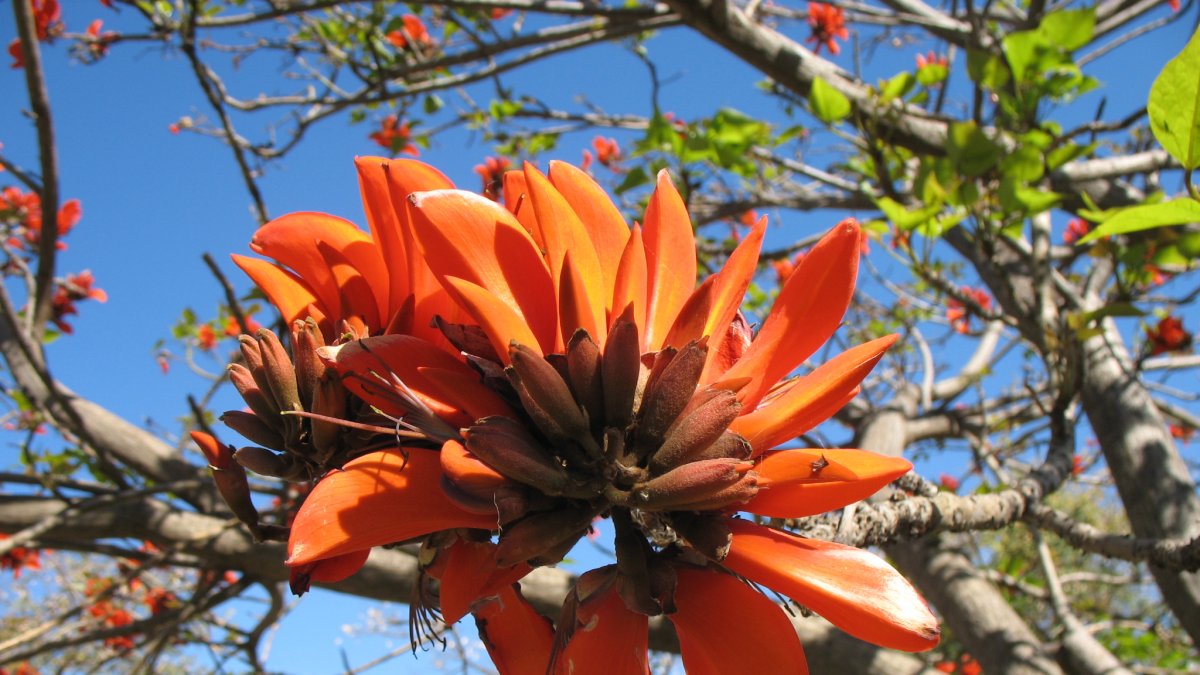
902	217
636	177
1023	50
987	70
1069	29
971	150
1025	164
1146	217
828	104
1174	105
432	104
896	87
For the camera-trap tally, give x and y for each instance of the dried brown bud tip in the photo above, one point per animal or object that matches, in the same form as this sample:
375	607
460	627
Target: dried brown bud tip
707	417
546	396
540	533
620	369
306	340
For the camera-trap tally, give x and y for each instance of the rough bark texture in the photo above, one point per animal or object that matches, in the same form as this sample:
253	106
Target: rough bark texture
1151	478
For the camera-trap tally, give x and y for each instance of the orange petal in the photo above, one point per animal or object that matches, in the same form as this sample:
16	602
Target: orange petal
725	626
603	222
670	260
517	638
355	292
335	569
501	323
797	483
854	589
693	316
805	402
516	200
807	312
289	239
630	285
728	293
608	639
470	237
468	471
290	295
575	308
368	367
471	573
464	389
404	177
379	498
562	231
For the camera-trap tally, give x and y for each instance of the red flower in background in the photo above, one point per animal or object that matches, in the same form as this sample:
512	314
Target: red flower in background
608	152
1182	432
25	210
47	21
948	482
959	314
828	23
73	288
98	43
932	59
19	558
492	173
1168	336
414	34
395	136
206	337
1076	229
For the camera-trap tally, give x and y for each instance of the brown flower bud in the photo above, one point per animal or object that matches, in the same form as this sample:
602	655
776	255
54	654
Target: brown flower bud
229	478
583	370
506	446
707	484
266	463
709	534
329	399
538	534
279	371
710	414
620	370
668	392
306	340
253	428
546	396
243	380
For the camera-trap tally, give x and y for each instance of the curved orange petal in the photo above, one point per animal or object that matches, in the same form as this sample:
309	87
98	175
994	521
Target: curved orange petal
804	482
805	402
470	573
331	570
289	239
603	222
725	626
404	177
501	323
355	292
729	290
630	285
854	589
608	639
809	308
563	231
369	366
517	638
379	498
465	390
575	308
470	237
670	259
290	295
689	324
516	200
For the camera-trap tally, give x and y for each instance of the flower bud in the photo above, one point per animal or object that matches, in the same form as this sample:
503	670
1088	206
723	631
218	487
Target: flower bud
620	369
306	340
243	380
709	415
583	370
253	428
668	392
707	484
229	478
279	371
506	446
537	535
546	396
266	463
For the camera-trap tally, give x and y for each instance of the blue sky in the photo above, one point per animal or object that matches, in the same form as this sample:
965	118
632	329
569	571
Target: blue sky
154	201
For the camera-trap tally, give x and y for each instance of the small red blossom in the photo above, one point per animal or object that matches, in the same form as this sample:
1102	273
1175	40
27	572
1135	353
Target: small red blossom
864	243
47	21
492	172
959	315
24	210
159	600
14	50
20	558
206	338
1182	432
901	239
748	218
395	136
608	152
828	23
785	266
73	288
1174	5
234	329
98	42
1155	275
932	59
1077	465
1076	229
173	127
414	34
23	668
498	13
27	420
948	482
1168	336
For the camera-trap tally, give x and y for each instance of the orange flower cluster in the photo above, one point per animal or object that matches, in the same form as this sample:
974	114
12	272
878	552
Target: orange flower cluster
828	24
22	211
608	153
492	173
489	378
1077	228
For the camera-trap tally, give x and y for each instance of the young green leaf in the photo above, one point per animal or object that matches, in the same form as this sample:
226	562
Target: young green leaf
1174	105
1146	217
828	104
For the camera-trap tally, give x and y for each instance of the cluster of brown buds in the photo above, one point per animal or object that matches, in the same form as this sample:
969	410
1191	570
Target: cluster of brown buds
615	434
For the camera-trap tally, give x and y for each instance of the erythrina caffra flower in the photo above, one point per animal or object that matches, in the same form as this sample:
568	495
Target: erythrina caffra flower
602	382
828	24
